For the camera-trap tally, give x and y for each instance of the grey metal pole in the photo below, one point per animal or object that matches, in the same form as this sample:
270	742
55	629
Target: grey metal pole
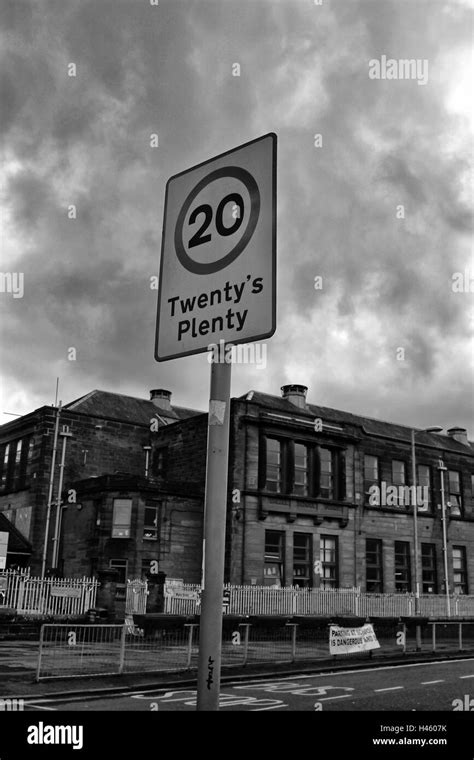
442	469
50	492
415	541
210	634
65	434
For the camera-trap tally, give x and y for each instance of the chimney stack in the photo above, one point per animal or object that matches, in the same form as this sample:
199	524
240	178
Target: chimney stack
458	434
296	394
161	399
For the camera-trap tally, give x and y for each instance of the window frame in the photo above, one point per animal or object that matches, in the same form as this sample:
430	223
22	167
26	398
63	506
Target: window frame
429	506
306	563
432	568
377	566
153	526
406	567
116	526
369	482
463	570
451	494
326	582
274	558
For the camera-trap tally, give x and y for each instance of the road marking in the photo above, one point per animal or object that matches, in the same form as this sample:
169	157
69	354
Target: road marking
39	707
471	676
390	688
426	683
273	707
341	696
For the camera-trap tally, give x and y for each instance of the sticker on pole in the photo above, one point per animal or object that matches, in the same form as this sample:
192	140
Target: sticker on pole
347	640
218	252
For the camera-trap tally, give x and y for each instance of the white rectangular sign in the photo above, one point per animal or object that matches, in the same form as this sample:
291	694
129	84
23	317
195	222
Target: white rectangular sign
218	252
347	640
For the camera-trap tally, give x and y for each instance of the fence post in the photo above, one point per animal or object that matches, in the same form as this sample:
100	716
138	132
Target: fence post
434	636
246	641
40	654
460	636
191	627
122	648
357	603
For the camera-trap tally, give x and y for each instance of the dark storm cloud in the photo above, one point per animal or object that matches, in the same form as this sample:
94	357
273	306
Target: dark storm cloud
85	140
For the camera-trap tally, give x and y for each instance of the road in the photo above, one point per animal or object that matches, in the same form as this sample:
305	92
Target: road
441	686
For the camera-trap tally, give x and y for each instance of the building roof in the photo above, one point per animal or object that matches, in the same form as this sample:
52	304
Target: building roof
368	424
17	543
127	408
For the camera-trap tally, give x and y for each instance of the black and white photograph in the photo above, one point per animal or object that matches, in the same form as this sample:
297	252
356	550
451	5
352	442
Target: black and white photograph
237	376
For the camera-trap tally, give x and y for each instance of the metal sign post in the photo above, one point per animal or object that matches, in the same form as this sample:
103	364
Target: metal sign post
217	286
210	635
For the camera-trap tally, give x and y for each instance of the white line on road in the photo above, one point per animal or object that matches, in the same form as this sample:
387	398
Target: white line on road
471	676
39	707
390	688
340	696
273	707
426	683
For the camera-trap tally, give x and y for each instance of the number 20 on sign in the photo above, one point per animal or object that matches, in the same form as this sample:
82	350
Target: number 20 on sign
218	252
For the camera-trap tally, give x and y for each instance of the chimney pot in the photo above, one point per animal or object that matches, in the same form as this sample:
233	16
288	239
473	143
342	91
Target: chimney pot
458	434
296	394
161	398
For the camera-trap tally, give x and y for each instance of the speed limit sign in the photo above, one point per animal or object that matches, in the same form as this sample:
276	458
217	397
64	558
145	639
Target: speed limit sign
218	252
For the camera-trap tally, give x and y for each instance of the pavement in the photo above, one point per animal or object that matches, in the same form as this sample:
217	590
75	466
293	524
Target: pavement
18	662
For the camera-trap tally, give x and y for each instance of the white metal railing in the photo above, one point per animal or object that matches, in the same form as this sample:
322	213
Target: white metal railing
137	592
59	597
292	600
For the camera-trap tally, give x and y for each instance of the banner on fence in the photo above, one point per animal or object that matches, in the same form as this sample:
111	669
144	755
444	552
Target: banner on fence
347	640
64	591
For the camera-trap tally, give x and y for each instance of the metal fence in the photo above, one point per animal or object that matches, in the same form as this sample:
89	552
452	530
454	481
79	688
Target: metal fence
61	597
136	598
291	600
87	650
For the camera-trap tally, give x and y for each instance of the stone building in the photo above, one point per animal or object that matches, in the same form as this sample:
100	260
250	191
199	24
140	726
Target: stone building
316	497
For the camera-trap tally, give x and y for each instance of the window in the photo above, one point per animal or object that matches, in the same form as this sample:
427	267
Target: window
6	457
398	479
159	462
302	564
150	523
373	566
371	472
274	472
301	469
121	518
423	481
402	566
121	565
328	554
454	492
326	474
18	452
429	582
273	571
460	570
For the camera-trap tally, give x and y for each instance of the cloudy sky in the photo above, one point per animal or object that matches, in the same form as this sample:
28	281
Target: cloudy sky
166	69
